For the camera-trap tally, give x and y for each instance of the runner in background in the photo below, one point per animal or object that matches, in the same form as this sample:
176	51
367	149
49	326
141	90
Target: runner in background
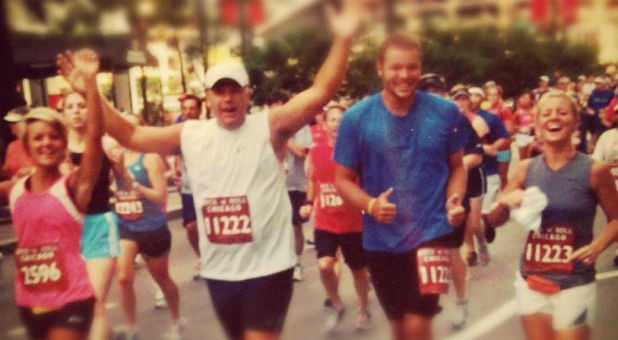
555	286
141	195
318	130
524	117
52	288
494	136
499	108
191	109
606	151
298	148
473	201
386	155
542	87
100	240
599	99
338	226
17	162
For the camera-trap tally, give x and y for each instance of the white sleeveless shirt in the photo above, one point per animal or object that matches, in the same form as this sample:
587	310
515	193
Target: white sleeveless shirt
243	209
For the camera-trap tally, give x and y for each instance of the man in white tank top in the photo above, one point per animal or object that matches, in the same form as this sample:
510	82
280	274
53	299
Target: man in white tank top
235	166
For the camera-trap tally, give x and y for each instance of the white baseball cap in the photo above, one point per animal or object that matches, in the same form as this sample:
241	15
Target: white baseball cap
233	70
599	80
477	90
16	114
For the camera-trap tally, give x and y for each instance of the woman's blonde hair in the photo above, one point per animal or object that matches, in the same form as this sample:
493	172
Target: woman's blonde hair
43	114
560	94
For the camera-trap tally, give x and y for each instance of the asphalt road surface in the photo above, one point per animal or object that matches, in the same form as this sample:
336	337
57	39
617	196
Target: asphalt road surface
492	308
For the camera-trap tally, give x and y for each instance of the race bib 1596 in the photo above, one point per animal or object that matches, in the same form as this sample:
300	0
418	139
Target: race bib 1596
40	267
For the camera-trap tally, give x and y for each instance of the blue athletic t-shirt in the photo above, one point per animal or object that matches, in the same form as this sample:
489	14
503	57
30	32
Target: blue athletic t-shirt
409	154
496	131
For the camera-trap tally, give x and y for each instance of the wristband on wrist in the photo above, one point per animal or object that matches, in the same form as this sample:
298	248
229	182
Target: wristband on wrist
308	202
370	205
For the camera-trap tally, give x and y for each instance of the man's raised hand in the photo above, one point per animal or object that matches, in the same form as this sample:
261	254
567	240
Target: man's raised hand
346	22
78	68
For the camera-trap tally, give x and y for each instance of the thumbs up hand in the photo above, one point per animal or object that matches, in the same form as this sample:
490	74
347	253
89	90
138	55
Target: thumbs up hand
381	209
456	214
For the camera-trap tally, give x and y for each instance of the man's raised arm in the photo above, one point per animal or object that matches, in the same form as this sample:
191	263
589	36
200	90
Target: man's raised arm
139	138
301	109
162	140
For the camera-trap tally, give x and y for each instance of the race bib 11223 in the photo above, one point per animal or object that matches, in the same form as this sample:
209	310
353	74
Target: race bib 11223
548	251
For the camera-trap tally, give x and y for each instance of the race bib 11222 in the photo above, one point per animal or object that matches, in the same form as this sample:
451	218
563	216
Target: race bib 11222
227	220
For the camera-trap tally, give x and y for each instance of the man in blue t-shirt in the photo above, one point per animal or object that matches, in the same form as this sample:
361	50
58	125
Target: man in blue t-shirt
399	159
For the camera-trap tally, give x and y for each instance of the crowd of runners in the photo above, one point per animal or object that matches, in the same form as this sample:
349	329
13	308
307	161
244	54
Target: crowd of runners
406	187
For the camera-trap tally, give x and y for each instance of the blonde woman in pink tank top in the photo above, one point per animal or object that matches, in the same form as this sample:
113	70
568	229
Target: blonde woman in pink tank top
52	288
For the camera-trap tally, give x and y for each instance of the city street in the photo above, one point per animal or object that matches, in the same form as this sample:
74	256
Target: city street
492	308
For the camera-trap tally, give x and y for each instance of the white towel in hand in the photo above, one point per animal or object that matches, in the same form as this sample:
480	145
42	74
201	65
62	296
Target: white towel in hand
531	209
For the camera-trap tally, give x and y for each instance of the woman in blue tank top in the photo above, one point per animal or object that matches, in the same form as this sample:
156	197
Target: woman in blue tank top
141	195
555	286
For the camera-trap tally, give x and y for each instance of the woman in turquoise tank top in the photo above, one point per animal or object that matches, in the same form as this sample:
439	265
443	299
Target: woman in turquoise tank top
141	195
555	286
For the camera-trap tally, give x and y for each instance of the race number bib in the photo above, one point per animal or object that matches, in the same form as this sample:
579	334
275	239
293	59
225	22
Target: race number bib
227	220
40	268
128	205
434	270
330	199
548	251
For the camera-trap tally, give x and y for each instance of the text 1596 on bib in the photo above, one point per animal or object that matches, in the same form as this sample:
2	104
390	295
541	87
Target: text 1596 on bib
40	267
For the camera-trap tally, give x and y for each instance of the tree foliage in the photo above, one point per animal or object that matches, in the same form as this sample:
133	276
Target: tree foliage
514	58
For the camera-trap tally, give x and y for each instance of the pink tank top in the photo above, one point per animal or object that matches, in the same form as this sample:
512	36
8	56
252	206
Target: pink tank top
50	269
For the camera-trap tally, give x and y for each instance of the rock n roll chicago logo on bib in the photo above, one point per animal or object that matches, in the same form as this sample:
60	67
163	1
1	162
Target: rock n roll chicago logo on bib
549	250
434	269
330	199
40	267
128	205
227	220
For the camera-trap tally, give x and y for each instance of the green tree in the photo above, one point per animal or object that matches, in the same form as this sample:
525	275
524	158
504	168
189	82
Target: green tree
514	58
288	63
